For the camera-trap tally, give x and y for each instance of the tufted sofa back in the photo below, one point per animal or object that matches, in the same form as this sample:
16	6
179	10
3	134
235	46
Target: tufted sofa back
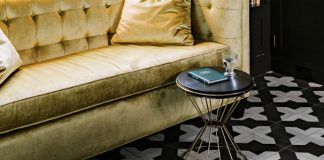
46	29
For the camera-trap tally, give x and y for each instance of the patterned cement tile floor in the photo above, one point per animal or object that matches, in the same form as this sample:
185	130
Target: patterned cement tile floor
283	120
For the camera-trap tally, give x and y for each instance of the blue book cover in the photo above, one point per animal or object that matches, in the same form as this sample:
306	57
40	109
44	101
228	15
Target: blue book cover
207	75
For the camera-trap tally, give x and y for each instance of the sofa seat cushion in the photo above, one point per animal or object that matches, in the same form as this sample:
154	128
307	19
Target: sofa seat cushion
56	88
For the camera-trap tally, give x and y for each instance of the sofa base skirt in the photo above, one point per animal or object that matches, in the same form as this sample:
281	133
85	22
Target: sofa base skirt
100	129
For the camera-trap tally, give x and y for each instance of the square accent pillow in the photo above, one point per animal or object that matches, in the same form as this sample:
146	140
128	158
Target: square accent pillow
155	22
9	58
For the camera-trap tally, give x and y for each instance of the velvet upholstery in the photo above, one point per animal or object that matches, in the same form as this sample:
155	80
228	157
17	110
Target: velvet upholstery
102	128
225	22
46	29
69	101
77	82
168	22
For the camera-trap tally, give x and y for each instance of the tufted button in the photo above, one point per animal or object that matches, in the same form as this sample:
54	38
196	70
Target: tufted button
209	6
33	17
5	19
210	35
85	10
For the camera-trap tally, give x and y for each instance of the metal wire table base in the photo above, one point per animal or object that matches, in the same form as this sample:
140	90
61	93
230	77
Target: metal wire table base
214	126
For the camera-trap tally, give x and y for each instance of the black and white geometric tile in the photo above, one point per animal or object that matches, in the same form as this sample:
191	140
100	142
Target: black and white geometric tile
283	120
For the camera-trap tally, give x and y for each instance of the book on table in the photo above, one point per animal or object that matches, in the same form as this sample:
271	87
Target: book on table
207	75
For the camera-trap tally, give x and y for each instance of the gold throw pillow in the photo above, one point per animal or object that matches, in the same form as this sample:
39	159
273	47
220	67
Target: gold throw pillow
157	22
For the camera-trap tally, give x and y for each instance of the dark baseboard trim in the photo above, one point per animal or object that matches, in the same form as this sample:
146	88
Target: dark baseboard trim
308	73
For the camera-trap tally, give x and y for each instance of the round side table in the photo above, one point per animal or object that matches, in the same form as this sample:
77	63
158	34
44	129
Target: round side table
222	97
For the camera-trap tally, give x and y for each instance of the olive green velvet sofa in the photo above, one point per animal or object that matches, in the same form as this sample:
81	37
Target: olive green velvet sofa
77	95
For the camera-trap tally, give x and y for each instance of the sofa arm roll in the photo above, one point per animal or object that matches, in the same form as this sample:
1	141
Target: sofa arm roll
225	22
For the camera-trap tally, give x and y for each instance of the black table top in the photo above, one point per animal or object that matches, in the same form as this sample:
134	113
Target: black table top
236	85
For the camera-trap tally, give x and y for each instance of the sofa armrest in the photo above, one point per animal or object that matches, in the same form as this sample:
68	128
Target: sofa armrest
225	22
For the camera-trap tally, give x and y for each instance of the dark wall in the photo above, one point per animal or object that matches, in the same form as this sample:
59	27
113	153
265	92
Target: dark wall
259	38
298	38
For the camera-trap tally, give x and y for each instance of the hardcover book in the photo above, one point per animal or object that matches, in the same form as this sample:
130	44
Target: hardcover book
207	75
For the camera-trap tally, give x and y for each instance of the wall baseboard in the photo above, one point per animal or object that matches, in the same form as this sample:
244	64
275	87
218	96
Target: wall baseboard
297	71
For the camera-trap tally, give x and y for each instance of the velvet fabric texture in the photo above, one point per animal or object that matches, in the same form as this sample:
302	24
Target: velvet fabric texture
43	30
225	22
93	131
155	22
78	105
77	82
9	58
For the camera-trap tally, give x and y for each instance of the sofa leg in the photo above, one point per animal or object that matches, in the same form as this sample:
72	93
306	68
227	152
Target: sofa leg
239	111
